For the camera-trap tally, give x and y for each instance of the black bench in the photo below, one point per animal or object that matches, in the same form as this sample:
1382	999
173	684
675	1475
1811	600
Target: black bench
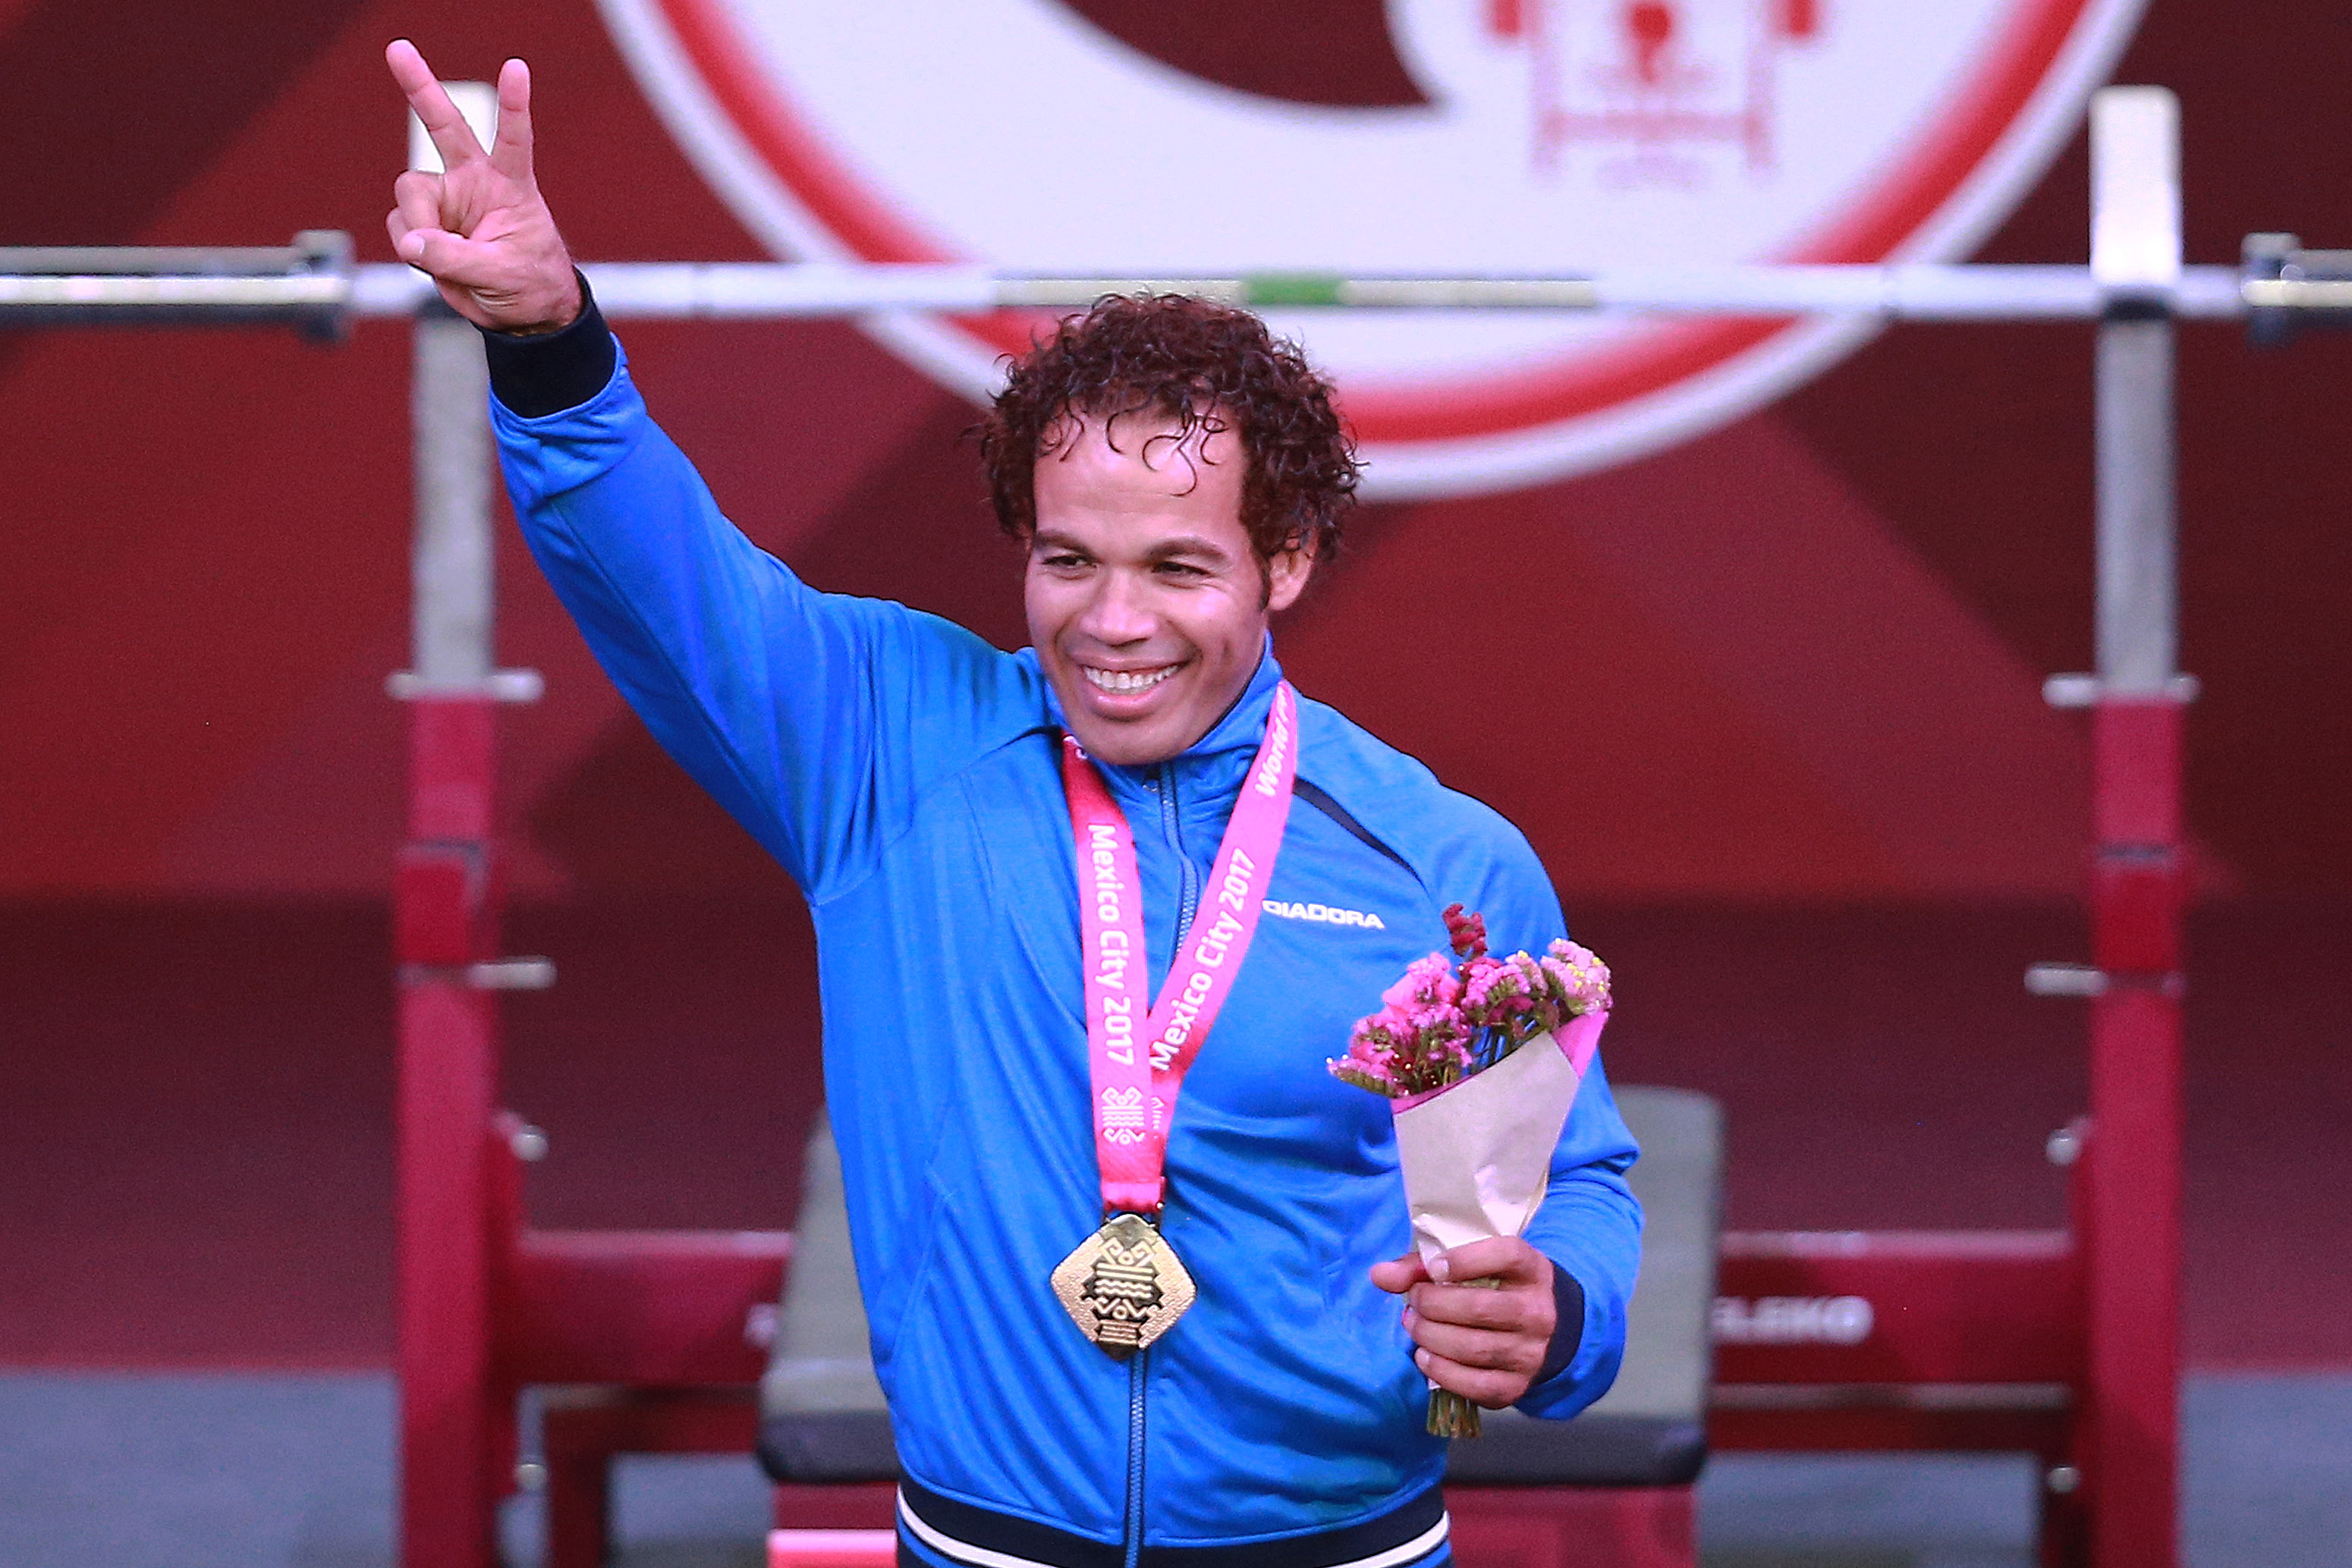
821	1420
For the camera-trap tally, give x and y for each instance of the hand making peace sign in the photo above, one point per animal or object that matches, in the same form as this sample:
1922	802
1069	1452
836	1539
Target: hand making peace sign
481	228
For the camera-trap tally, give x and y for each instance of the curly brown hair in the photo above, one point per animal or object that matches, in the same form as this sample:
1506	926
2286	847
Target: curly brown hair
1203	367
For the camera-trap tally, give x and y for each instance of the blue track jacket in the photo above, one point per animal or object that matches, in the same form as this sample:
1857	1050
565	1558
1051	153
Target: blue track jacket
909	775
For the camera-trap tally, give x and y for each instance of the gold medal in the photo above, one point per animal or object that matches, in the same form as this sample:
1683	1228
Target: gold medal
1124	1285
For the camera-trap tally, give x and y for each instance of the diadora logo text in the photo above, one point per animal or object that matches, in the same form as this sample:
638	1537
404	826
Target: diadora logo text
1328	914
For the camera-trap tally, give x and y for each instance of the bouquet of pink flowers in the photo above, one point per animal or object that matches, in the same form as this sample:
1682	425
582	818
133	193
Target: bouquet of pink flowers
1480	1057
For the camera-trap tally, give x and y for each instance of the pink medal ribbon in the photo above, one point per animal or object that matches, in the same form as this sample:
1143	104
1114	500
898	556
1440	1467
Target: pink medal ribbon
1140	1059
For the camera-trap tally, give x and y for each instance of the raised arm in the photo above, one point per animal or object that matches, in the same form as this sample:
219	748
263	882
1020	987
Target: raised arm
819	721
481	227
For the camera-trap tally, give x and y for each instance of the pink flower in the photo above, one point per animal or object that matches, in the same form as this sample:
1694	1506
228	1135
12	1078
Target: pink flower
1490	984
1468	932
1427	983
1419	1040
1375	1039
1579	979
1434	1024
1438	1021
1532	980
1499	990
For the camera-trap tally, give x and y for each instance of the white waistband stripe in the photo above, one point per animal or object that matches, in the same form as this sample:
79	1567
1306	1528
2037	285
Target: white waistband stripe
979	1557
1421	1545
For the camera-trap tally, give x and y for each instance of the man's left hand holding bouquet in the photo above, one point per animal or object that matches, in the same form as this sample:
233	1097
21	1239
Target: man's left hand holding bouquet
1485	1341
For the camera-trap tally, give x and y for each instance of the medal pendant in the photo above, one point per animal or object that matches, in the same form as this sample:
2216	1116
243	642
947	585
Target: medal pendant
1124	1285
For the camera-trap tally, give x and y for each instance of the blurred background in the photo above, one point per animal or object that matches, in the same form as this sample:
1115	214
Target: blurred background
1775	726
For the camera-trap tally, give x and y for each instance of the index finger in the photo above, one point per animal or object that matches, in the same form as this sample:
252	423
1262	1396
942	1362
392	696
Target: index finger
510	152
450	133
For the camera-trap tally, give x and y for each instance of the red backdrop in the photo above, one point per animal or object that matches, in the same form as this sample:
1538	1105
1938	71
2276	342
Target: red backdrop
1796	661
1797	658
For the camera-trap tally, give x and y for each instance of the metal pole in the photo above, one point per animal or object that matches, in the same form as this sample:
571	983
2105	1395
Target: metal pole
314	286
2133	1242
2135	262
446	913
306	285
455	1418
452	557
2139	615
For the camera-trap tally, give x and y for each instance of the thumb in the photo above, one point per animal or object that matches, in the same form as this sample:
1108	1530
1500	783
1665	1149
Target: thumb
412	245
449	257
1399	1275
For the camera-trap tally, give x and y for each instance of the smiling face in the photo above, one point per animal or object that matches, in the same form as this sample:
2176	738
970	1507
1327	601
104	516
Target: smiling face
1147	606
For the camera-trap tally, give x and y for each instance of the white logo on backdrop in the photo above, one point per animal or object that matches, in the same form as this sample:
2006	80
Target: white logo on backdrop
1793	1320
1553	136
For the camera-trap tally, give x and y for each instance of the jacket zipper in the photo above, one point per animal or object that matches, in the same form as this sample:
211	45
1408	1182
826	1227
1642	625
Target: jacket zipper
1135	1456
1189	881
1189	875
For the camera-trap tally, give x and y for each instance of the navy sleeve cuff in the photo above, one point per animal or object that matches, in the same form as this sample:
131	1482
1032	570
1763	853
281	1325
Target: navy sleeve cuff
547	373
1568	1331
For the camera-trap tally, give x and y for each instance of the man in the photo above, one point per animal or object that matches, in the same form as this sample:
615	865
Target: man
1022	1176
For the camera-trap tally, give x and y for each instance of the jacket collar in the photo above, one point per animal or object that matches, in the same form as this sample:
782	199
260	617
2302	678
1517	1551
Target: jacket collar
1211	770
